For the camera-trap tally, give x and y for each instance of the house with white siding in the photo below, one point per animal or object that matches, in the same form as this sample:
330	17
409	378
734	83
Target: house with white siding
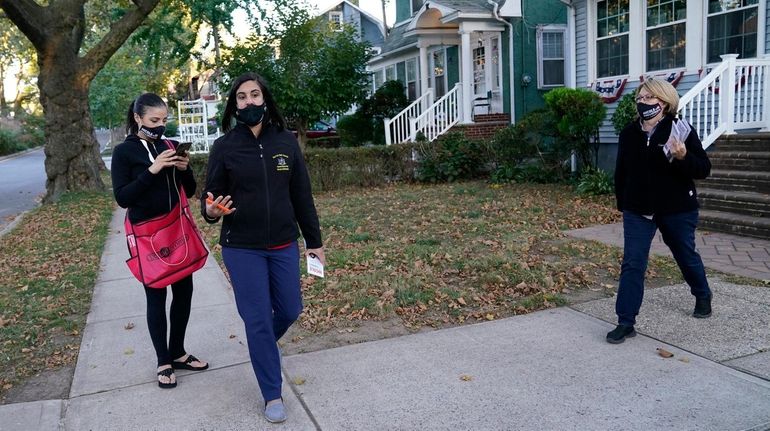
619	42
717	55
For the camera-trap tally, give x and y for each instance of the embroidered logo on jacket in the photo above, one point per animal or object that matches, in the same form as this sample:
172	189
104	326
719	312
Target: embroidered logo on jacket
281	162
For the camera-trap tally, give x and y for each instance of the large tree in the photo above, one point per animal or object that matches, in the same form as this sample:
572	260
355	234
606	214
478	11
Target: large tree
66	70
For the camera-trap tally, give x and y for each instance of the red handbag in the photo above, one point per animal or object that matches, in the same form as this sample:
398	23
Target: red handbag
167	248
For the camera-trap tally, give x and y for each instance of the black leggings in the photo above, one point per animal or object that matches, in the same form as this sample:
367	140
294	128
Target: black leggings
180	313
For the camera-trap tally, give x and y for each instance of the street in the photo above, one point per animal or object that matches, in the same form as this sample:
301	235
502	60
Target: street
22	184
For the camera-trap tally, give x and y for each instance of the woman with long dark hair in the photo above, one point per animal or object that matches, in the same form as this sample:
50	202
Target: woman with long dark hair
258	183
145	178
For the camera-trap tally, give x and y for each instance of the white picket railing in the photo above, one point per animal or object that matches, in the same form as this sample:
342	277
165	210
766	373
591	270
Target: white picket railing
397	129
440	117
735	95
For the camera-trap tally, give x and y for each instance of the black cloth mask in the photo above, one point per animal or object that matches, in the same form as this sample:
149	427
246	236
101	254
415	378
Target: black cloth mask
153	132
251	115
648	112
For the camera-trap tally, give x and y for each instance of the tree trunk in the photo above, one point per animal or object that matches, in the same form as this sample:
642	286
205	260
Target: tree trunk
302	134
72	159
3	103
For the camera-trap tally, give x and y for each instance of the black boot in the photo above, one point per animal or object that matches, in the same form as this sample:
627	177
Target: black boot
702	308
619	334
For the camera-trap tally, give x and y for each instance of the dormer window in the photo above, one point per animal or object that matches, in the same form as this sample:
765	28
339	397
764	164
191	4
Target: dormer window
335	20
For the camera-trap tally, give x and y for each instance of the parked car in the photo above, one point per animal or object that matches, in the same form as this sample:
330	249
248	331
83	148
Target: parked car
320	129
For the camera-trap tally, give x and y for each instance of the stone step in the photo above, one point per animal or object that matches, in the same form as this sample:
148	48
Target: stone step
740	160
740	181
735	224
744	142
746	203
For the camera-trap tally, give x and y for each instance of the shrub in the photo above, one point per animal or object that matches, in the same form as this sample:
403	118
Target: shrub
595	182
8	142
172	129
336	168
624	113
451	157
577	114
32	132
354	130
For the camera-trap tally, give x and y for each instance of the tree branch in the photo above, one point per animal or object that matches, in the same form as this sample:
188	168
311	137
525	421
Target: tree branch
119	32
29	17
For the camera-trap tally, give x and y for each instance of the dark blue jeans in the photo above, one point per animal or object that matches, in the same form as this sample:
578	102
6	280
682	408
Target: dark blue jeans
678	232
267	294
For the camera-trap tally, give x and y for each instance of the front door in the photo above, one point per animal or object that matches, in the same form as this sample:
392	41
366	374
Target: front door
438	72
487	92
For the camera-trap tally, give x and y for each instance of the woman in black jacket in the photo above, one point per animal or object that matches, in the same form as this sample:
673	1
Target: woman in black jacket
258	181
145	179
654	188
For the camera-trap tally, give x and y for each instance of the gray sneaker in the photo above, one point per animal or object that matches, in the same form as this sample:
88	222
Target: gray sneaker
275	412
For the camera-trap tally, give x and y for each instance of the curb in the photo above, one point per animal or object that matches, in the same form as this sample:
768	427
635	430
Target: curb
20	153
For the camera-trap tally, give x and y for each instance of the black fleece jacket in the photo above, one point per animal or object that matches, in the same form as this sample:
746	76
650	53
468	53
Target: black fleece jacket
646	182
269	185
136	188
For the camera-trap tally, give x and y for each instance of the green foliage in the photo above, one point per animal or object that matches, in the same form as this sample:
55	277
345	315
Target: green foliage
354	130
172	128
595	182
452	157
335	168
625	112
577	114
8	142
320	73
386	102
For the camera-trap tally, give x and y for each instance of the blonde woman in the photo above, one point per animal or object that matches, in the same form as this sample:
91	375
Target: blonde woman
655	190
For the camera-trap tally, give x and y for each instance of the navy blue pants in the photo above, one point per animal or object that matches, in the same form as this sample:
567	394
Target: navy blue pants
678	232
267	293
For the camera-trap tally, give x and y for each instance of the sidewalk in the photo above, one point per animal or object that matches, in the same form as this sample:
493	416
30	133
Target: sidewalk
550	370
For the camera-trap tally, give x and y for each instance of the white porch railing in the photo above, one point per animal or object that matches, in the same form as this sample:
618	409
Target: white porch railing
735	95
440	117
397	129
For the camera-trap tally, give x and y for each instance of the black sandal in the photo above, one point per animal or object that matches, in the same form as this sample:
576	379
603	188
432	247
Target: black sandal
185	365
168	372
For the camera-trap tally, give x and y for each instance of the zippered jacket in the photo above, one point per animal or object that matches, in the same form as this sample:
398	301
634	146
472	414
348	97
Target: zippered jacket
646	182
145	194
269	185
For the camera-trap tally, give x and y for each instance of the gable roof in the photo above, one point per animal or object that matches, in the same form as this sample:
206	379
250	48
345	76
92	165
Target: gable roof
361	11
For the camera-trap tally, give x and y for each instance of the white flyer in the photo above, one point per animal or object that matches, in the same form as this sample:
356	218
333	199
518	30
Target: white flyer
314	266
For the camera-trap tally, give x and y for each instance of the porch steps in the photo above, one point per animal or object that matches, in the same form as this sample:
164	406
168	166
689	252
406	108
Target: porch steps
736	197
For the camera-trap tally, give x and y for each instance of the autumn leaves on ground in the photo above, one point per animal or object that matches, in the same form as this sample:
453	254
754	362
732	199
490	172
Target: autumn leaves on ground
399	259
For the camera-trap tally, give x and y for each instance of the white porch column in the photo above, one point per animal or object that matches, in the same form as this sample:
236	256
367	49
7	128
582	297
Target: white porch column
466	76
424	64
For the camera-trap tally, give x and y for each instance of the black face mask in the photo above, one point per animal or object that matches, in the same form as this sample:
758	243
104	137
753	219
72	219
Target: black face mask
251	115
648	112
153	132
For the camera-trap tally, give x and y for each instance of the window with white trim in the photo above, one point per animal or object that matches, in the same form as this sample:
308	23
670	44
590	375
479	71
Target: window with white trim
732	28
551	56
378	78
335	20
411	79
666	34
612	37
390	72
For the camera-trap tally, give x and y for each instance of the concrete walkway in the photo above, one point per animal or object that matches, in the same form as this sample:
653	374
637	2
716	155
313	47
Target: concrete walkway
550	370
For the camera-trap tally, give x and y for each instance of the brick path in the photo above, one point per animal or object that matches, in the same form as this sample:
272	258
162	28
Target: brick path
745	256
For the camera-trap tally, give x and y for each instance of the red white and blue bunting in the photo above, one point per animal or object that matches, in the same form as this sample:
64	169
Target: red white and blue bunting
673	78
610	90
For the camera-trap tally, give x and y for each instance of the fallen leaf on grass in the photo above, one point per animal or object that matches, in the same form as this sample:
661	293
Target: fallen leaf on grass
466	378
664	353
129	326
7	386
25	350
298	381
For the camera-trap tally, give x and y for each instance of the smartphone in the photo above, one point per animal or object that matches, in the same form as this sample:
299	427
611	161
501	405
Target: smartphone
183	148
